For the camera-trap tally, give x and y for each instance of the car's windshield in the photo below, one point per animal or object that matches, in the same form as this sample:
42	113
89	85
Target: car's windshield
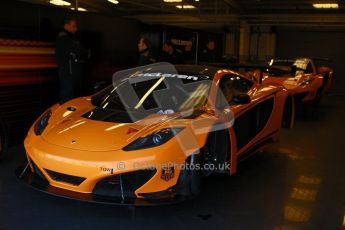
282	64
144	93
157	93
284	67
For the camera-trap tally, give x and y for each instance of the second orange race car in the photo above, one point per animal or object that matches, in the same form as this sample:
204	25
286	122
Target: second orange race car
304	79
150	136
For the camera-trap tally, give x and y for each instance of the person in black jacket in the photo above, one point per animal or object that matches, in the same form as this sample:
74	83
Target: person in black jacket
209	53
70	57
145	55
170	54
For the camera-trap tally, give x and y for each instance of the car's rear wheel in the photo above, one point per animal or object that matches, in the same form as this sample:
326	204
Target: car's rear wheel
3	140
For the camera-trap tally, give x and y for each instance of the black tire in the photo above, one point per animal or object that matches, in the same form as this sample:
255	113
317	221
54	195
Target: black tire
190	177
215	152
3	140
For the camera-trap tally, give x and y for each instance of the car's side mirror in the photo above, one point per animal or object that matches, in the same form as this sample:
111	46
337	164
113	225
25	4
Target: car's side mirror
99	86
293	70
241	99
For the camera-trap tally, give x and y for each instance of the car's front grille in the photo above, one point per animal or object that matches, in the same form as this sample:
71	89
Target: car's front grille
73	180
123	185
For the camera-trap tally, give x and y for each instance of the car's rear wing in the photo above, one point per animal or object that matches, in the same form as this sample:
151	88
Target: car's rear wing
263	68
321	59
289	59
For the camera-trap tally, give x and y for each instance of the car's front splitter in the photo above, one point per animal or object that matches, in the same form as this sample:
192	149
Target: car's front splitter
25	174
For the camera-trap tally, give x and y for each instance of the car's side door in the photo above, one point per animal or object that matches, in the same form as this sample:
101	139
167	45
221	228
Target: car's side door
252	121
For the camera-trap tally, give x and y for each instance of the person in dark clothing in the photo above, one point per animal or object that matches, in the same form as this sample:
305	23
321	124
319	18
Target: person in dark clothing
209	54
145	55
70	57
188	54
170	54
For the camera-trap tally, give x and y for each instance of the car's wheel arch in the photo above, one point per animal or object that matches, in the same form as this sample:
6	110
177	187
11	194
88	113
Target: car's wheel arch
189	181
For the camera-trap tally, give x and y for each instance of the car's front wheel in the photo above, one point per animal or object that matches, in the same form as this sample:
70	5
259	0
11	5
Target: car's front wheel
190	177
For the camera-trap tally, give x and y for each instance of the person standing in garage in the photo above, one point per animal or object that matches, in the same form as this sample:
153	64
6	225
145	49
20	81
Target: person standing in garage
170	54
209	53
70	56
145	55
188	54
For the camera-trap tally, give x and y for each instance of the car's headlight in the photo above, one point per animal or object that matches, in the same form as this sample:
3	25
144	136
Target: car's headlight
153	140
42	123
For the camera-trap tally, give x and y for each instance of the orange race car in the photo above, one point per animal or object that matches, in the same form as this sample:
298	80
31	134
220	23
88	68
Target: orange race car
305	80
150	136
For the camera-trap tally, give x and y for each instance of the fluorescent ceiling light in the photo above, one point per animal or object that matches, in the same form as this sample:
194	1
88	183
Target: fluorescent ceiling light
59	3
114	1
79	9
185	7
172	1
326	5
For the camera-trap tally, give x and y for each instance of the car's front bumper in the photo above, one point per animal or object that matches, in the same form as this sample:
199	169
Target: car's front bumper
114	176
29	177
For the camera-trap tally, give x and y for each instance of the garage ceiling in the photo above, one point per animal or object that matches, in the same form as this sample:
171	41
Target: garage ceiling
220	13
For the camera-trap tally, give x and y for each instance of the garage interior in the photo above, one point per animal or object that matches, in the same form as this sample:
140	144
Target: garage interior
295	183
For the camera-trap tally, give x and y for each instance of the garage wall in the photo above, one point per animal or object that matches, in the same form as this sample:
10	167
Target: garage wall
316	42
262	46
109	37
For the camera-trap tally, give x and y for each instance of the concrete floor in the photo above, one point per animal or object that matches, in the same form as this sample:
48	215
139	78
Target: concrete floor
297	183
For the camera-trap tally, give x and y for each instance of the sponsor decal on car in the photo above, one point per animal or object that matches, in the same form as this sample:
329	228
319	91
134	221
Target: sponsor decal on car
109	170
167	173
173	75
